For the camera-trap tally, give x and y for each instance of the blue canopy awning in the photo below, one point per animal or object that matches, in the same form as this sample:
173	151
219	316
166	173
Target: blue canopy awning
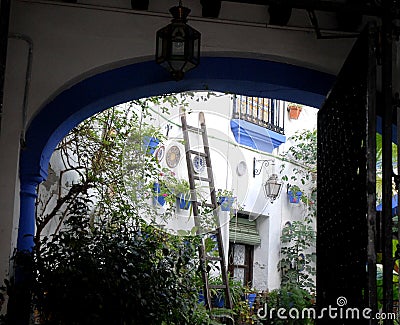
255	136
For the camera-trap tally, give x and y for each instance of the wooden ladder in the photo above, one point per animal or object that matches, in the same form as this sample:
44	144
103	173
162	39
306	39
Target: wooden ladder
204	257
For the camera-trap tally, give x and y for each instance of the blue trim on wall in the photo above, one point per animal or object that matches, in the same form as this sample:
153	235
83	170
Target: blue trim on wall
255	136
26	227
245	76
250	77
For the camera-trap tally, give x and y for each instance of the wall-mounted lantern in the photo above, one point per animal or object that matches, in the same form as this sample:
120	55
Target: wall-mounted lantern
178	44
272	187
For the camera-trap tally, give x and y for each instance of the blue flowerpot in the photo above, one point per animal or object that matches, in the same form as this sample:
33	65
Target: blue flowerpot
184	202
202	300
226	202
158	198
218	301
150	144
251	298
294	197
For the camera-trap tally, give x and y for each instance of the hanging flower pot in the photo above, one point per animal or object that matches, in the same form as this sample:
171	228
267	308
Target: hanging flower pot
294	197
251	298
150	144
184	201
158	198
294	111
226	202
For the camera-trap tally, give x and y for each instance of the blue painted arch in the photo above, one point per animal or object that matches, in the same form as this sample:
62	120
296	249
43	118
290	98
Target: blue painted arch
91	95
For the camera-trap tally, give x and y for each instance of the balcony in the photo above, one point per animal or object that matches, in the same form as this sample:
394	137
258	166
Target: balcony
265	112
258	122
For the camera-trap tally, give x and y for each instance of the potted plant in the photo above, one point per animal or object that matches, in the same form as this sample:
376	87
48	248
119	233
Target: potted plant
181	189
172	190
294	194
245	308
150	144
225	199
294	110
217	296
158	197
250	295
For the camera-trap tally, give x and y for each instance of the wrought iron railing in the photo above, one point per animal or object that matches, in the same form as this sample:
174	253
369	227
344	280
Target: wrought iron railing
265	112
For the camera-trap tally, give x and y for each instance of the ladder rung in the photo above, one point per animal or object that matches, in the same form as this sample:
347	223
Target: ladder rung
203	179
213	258
217	286
198	153
193	129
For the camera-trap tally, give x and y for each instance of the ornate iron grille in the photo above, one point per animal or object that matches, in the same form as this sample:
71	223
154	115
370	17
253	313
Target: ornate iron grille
346	188
265	112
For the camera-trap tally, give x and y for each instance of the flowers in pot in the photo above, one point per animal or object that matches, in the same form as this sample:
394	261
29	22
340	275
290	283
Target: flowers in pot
250	295
174	190
225	199
294	110
158	197
294	194
150	144
181	189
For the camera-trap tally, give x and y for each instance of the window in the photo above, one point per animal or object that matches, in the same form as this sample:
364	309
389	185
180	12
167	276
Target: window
240	262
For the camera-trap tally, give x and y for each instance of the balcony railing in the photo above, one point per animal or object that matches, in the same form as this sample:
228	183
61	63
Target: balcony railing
265	112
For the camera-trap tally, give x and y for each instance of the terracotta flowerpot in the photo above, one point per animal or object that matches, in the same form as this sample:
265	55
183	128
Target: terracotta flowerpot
294	111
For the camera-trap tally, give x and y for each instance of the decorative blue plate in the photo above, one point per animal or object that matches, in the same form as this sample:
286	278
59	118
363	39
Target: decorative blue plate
173	156
199	164
160	152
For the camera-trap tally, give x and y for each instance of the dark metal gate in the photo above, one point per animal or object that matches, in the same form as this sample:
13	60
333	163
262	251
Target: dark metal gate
346	190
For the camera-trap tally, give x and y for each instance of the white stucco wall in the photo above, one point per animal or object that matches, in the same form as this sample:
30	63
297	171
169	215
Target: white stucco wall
226	153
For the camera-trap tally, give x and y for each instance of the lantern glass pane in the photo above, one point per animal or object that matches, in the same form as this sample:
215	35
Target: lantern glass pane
178	48
160	51
272	188
196	49
177	65
275	189
188	66
178	42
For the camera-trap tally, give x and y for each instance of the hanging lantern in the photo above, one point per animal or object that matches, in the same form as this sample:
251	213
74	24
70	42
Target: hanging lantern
178	44
272	187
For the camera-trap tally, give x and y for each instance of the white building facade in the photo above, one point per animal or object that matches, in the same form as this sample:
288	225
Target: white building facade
260	220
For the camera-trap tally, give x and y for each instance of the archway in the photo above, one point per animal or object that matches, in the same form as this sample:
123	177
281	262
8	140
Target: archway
239	75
